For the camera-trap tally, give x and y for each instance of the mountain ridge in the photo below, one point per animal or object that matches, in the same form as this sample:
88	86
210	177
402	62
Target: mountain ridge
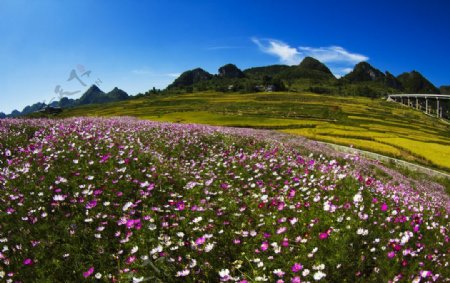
93	95
309	75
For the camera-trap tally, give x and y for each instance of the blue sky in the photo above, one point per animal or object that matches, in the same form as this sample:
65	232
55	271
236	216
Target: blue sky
136	45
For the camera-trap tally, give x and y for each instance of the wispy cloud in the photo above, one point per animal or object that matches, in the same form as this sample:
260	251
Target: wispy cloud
173	75
151	73
332	54
341	61
287	55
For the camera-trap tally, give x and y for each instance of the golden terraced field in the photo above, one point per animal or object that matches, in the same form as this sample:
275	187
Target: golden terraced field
370	124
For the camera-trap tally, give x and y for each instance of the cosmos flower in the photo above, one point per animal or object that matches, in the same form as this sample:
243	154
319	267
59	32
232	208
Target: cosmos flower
224	275
319	275
88	272
296	267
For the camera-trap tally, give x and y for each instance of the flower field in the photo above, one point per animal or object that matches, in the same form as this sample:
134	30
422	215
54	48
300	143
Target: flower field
126	200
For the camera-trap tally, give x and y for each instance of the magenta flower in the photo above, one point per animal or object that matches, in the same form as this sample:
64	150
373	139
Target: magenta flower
323	236
281	230
200	241
180	205
130	259
296	267
88	272
264	246
91	204
28	261
384	207
296	279
391	254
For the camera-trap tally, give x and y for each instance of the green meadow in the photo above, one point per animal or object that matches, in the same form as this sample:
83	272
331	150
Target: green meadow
370	124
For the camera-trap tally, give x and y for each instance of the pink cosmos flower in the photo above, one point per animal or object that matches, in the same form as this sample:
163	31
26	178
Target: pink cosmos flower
296	267
91	204
264	246
180	205
130	259
296	279
200	241
88	272
384	207
391	254
28	261
323	236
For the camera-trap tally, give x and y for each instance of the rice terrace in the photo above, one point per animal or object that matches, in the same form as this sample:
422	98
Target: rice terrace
302	162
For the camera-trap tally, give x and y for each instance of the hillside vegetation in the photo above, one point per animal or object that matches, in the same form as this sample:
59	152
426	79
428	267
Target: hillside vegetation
371	124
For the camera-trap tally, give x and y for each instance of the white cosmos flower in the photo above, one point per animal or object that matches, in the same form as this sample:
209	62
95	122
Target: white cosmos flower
137	280
224	273
357	198
209	247
127	205
319	275
197	219
362	231
183	273
59	197
305	272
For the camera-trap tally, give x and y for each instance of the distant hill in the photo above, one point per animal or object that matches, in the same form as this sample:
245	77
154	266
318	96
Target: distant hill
445	89
191	77
230	71
415	82
363	72
391	81
93	95
309	68
260	72
309	75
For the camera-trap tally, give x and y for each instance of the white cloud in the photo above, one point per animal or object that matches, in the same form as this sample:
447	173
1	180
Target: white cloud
339	59
150	73
332	54
286	54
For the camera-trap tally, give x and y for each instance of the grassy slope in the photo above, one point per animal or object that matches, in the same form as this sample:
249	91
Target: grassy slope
374	125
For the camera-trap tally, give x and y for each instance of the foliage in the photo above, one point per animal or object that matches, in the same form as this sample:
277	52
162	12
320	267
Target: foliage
415	82
191	77
123	200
